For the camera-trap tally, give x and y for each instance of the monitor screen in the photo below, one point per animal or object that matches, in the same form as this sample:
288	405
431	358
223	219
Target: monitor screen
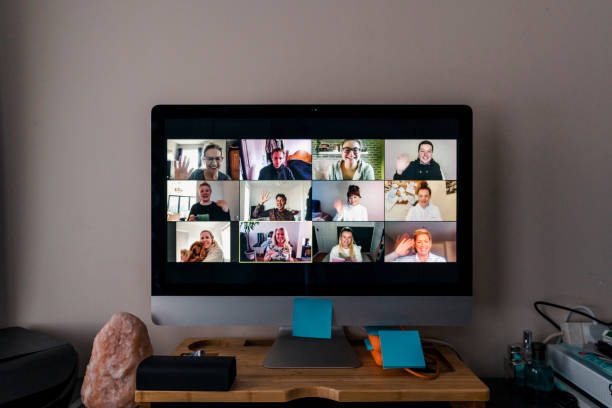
311	200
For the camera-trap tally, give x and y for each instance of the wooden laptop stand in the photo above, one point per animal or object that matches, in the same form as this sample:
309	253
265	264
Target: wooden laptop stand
456	384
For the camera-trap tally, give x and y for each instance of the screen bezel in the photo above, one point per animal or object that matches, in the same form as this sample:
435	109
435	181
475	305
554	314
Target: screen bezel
272	279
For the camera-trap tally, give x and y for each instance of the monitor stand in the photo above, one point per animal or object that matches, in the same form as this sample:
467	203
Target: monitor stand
303	352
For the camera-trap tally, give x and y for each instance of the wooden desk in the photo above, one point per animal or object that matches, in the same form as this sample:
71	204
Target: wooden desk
457	384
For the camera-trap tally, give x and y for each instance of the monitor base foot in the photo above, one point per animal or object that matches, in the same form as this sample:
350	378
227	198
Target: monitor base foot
302	352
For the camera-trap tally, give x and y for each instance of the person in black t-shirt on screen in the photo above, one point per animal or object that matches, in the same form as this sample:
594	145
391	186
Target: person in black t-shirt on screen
423	168
277	169
218	211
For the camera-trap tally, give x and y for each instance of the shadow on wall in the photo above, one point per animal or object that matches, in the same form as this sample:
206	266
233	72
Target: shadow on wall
4	318
489	180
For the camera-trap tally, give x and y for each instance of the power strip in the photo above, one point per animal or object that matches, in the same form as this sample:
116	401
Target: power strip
583	400
588	373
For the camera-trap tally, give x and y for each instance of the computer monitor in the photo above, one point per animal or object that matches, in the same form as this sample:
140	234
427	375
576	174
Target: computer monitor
367	205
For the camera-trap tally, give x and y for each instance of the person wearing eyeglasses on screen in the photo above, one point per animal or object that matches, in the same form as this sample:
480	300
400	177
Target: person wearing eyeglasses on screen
212	156
421	243
351	167
346	250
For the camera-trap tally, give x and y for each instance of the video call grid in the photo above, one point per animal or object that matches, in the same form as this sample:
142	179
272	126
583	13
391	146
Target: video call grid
384	220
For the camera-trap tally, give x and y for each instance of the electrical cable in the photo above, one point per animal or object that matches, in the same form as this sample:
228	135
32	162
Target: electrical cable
442	343
575	308
558	335
429	359
552	336
436	341
569	309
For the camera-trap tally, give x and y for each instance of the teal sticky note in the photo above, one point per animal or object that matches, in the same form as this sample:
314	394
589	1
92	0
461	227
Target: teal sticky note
401	349
312	318
368	344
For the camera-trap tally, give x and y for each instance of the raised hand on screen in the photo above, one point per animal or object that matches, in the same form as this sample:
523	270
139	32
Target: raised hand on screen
265	196
181	169
224	205
339	206
403	244
402	163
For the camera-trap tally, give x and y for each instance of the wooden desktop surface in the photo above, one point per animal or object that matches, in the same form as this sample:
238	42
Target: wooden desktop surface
456	384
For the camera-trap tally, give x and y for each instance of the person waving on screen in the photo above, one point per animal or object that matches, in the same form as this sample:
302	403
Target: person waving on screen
216	211
212	156
421	243
353	211
422	168
280	213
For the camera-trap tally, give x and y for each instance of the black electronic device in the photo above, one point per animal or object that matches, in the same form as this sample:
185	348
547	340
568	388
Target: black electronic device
295	174
181	134
186	373
36	370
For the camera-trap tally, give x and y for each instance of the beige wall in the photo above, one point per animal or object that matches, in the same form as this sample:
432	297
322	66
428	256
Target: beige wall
78	80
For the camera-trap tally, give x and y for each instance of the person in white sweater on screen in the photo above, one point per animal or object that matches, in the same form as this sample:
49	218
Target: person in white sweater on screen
353	211
423	210
204	250
346	250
